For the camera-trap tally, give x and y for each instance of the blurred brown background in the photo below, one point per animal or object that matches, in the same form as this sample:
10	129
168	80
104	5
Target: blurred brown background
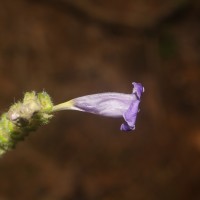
73	48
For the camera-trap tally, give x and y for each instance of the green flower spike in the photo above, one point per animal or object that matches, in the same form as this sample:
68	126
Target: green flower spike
24	117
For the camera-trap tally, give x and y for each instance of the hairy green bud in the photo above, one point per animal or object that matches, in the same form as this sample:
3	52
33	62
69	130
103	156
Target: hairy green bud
23	117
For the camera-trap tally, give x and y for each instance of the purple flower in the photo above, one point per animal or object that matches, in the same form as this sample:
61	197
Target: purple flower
109	104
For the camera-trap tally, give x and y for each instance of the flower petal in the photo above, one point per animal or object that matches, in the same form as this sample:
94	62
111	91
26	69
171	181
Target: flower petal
126	127
138	89
106	104
131	114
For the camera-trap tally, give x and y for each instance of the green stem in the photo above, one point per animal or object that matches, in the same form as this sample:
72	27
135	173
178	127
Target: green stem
63	106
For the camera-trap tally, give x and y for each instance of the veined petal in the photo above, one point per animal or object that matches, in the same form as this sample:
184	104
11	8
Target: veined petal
138	89
107	104
130	117
131	114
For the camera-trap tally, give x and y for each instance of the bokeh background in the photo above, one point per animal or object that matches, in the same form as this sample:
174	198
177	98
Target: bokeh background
73	48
